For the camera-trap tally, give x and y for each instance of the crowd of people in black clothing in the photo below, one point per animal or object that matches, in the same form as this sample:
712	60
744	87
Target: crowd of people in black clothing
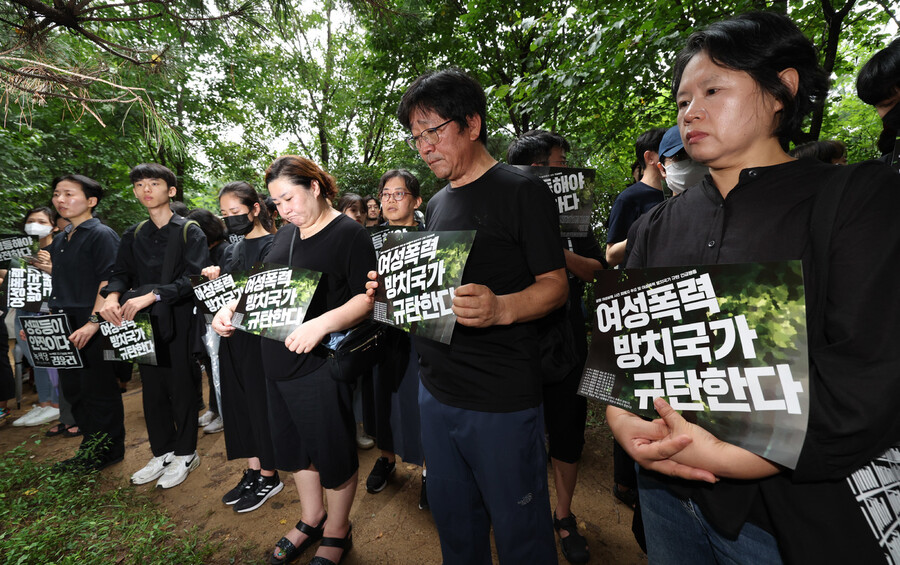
483	412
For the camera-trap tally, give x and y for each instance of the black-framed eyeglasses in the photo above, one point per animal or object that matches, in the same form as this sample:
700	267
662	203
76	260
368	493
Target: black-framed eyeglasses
430	136
396	196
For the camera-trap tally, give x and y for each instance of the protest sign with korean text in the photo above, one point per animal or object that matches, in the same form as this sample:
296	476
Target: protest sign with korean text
726	345
418	273
275	300
48	341
212	295
18	246
27	288
131	341
573	190
380	233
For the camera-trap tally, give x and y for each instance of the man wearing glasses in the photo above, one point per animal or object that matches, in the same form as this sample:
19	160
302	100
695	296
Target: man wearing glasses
480	398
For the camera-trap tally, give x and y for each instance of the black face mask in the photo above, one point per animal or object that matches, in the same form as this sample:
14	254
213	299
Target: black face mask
239	225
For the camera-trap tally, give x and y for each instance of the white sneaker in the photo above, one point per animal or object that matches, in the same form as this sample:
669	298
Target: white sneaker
153	470
215	426
178	470
48	415
206	419
28	416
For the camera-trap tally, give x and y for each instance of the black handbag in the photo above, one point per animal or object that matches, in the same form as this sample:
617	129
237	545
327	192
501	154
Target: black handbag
357	352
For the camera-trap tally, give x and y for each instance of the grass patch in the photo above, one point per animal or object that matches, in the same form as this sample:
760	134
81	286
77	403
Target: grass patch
51	517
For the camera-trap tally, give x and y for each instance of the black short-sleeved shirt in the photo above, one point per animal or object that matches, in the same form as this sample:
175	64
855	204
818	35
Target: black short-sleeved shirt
140	259
766	217
80	264
244	254
494	369
342	251
630	204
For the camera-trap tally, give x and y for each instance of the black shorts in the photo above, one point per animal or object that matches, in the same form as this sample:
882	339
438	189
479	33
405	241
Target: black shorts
312	423
565	414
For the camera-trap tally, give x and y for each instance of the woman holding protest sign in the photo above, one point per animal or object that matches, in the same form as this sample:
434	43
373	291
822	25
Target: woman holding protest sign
310	412
244	408
742	87
83	257
396	378
40	222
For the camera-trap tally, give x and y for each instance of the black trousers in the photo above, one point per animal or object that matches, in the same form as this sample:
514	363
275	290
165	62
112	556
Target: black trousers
245	406
169	394
93	392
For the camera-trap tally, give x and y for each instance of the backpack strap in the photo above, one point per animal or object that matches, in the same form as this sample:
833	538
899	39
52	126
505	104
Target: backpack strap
174	248
139	226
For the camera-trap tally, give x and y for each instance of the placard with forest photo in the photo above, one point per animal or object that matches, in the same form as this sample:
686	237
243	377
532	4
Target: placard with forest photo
418	273
725	345
275	300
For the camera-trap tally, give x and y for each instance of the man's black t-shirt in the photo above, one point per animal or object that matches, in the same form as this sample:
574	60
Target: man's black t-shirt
342	251
766	217
630	205
494	369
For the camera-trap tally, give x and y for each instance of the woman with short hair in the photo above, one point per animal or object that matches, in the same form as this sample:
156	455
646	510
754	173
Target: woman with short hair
742	87
310	412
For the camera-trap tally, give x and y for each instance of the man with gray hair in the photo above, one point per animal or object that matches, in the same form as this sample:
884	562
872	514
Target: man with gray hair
480	398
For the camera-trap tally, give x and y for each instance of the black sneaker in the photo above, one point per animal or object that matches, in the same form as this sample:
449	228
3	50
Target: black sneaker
264	489
423	497
246	483
378	478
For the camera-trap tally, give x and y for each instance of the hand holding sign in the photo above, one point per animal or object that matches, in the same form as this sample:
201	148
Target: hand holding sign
83	335
134	305
475	305
111	311
306	337
221	323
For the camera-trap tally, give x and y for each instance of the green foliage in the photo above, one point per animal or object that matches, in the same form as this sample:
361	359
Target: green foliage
51	517
324	81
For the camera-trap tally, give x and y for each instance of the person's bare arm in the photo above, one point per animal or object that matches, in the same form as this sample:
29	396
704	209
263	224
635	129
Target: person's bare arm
477	306
615	252
582	267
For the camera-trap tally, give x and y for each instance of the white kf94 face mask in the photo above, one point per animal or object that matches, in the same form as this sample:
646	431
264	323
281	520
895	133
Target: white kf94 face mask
682	175
38	230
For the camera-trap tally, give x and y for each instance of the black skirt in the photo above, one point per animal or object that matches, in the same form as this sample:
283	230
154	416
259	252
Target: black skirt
312	423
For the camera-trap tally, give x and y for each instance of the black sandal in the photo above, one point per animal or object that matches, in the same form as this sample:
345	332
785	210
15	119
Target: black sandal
289	552
629	497
344	543
56	430
574	546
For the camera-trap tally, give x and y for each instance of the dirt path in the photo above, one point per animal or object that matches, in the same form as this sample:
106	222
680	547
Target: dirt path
388	527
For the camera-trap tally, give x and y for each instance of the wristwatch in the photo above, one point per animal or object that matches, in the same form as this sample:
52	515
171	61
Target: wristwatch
94	319
156	294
